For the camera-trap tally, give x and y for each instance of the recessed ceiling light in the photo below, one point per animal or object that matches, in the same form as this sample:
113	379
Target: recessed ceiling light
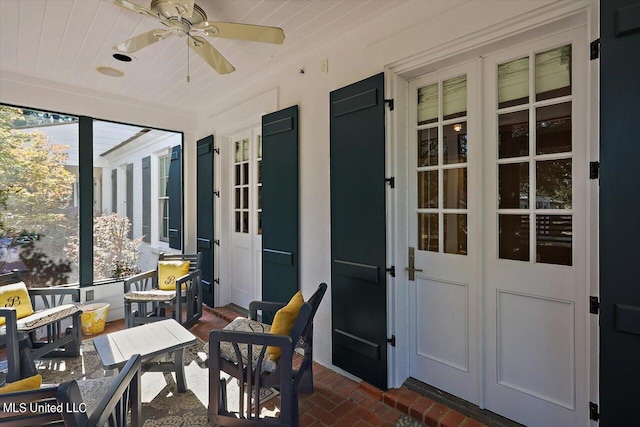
123	57
110	71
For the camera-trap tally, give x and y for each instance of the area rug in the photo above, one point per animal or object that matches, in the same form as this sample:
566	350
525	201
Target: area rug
161	404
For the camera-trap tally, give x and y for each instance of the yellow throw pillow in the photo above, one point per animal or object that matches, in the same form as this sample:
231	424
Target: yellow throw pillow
283	322
169	271
16	295
30	383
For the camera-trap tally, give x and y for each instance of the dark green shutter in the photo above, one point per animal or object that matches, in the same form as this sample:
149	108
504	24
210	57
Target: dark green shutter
146	199
85	197
129	197
619	317
358	230
114	190
206	221
174	192
280	256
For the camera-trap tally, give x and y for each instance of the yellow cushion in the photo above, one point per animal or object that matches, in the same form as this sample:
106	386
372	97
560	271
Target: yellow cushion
169	271
283	322
16	295
30	383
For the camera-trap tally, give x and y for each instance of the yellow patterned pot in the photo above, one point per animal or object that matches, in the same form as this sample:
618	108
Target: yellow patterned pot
94	317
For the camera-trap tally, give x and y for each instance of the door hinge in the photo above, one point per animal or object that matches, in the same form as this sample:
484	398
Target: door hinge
391	181
216	150
389	102
594	305
216	242
594	170
392	271
594	49
392	340
216	193
216	281
594	413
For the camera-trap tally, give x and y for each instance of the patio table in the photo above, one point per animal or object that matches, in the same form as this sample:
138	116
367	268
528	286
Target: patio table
154	342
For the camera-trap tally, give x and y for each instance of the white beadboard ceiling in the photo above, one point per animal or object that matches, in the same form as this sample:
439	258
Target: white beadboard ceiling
65	40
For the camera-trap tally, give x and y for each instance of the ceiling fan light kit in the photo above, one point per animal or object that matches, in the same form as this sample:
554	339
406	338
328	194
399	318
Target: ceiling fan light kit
184	18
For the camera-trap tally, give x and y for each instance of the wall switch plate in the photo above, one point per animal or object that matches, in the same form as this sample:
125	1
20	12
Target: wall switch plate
89	295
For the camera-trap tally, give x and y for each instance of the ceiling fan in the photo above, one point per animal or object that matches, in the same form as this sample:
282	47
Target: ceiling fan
184	18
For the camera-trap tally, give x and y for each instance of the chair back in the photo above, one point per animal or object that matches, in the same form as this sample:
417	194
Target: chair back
12	277
303	326
195	260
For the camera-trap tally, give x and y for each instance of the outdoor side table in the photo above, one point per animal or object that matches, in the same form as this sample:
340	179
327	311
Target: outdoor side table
152	341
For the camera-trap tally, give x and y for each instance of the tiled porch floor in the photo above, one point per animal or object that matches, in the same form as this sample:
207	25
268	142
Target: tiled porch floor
339	401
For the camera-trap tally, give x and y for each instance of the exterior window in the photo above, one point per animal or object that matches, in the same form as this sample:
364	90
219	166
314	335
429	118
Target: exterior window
442	166
535	181
163	198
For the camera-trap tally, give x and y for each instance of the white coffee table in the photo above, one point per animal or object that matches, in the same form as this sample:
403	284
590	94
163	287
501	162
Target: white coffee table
152	341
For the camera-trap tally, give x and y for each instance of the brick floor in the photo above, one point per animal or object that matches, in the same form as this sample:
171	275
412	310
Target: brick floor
340	401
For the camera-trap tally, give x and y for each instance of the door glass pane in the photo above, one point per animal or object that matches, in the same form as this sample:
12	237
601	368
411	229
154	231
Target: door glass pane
553	184
513	83
260	146
513	186
238	198
513	237
245	222
260	197
238	151
454	143
237	222
428	232
455	188
454	97
245	174
553	128
237	175
428	104
428	147
553	73
245	149
245	198
553	239
455	234
428	189
513	134
259	222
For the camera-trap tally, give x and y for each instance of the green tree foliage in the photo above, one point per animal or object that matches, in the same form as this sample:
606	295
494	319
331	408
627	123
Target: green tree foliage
36	192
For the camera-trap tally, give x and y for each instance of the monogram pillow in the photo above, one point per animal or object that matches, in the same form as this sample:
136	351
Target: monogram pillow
16	296
169	271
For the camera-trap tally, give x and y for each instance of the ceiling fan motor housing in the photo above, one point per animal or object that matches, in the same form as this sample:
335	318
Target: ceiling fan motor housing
168	10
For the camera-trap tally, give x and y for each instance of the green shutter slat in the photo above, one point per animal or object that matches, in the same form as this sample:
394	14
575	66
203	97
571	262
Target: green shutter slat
205	213
358	230
280	216
174	192
146	199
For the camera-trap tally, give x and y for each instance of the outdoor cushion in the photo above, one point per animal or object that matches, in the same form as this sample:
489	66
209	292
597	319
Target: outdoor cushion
45	317
283	322
30	383
227	351
154	295
16	295
169	271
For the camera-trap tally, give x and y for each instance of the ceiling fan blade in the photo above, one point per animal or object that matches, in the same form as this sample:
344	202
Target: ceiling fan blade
210	55
134	8
184	7
142	40
232	30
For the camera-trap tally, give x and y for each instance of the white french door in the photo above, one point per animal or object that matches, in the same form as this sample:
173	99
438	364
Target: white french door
536	234
246	218
444	223
498	218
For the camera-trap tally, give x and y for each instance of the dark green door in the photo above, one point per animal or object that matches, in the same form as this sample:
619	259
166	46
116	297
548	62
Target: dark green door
358	230
174	192
280	263
619	207
205	212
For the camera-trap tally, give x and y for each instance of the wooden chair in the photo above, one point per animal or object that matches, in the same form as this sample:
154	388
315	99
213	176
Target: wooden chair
254	372
19	335
118	396
153	304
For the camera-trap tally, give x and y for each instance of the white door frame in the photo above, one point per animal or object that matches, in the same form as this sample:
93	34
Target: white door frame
535	24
